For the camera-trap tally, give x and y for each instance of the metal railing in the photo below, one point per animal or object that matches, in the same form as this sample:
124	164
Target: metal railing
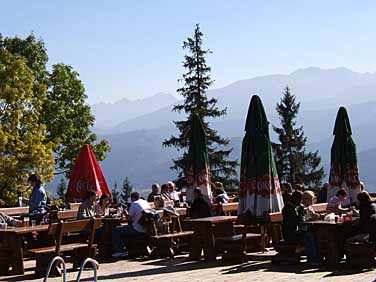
52	261
93	263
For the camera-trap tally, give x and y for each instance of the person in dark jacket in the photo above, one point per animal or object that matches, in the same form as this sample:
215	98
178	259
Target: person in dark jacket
293	213
293	228
200	206
366	210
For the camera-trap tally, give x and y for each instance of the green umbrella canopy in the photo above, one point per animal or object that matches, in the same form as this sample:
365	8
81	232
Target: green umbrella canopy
344	165
197	158
258	169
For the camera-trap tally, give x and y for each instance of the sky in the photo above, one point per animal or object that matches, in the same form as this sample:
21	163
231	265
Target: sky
133	49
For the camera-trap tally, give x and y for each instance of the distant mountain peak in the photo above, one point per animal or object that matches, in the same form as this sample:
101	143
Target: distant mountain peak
316	70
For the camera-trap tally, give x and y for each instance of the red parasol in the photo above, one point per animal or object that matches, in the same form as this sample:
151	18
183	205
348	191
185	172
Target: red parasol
86	175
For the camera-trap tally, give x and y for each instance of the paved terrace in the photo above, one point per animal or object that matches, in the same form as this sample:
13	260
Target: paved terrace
258	268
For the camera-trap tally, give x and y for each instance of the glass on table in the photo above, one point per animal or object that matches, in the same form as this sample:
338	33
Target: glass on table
26	221
33	222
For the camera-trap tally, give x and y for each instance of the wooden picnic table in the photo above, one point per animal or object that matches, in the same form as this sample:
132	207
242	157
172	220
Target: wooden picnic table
206	229
105	244
330	238
13	241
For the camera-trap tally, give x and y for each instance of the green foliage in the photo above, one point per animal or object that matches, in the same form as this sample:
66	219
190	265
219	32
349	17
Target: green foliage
61	189
41	113
126	191
294	164
68	118
24	147
196	81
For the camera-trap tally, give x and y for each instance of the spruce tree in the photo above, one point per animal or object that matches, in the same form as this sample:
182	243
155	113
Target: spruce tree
126	191
61	189
294	164
196	82
115	194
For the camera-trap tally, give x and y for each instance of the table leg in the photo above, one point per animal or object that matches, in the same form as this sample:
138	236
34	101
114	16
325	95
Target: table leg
16	255
197	241
333	256
209	244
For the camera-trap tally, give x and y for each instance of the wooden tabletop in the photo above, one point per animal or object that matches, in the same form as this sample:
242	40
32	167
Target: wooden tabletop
214	219
324	222
25	230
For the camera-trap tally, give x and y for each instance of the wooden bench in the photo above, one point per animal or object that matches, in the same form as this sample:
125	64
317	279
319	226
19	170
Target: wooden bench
16	211
74	206
225	209
229	208
80	250
65	215
286	250
168	244
236	246
361	253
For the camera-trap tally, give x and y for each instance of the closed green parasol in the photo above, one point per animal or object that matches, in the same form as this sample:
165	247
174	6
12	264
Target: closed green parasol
344	172
259	191
197	166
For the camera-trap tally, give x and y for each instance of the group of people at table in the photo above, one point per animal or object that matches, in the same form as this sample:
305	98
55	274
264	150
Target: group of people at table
297	210
94	207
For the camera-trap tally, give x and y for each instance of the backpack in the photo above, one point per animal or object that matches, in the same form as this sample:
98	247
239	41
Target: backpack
148	216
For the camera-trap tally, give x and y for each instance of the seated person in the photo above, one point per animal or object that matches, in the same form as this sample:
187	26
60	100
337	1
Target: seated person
309	199
200	206
164	193
86	209
293	229
322	193
293	213
154	192
38	198
286	192
220	197
124	235
366	210
101	208
173	194
335	203
9	220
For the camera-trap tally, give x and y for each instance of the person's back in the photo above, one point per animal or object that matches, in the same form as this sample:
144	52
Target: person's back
322	194
86	209
200	207
292	214
367	210
135	212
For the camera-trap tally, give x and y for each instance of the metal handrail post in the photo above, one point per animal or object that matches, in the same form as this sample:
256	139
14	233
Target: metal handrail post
95	265
52	261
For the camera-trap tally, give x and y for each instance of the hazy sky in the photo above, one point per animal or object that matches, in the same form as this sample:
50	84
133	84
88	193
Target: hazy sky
133	48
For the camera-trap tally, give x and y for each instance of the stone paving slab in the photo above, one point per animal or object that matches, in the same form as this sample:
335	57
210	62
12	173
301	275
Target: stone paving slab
258	268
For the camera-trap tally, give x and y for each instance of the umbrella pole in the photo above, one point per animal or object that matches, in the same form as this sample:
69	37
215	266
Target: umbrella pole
262	230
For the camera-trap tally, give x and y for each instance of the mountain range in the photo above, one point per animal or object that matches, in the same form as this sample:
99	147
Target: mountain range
136	129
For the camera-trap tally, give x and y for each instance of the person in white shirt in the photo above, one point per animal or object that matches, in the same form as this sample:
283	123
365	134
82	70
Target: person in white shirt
173	194
124	235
